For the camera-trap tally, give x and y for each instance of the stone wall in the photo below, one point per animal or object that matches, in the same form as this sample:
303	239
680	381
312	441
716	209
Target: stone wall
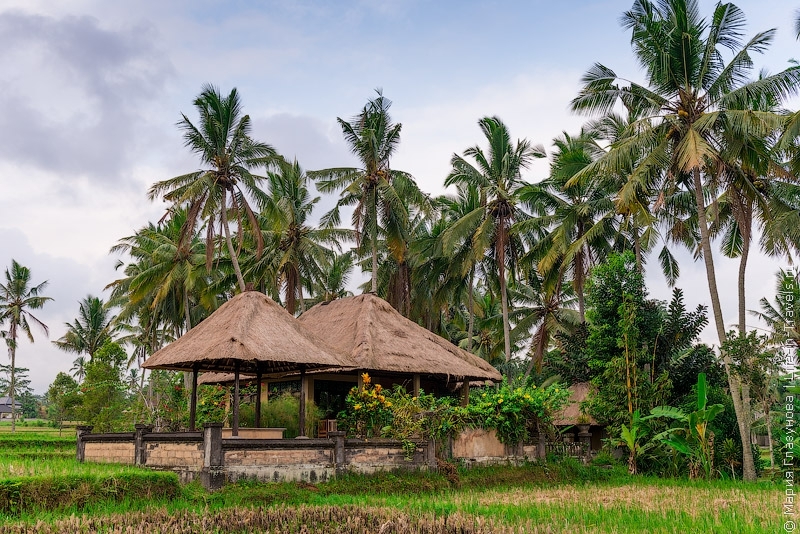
118	452
216	460
476	446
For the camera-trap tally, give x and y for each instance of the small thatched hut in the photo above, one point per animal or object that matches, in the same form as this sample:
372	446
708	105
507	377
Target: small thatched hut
248	334
572	419
379	340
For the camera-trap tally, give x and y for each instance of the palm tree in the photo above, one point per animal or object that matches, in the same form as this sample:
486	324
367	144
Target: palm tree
579	219
783	317
332	284
464	245
381	196
92	328
17	298
298	255
78	368
497	176
691	94
544	305
229	154
166	275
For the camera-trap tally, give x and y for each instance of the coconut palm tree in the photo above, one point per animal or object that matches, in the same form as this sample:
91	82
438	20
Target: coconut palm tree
228	153
783	317
297	251
17	298
691	94
90	330
578	222
381	196
497	175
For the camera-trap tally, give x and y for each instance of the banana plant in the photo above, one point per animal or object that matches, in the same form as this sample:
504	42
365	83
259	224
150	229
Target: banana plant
692	436
633	438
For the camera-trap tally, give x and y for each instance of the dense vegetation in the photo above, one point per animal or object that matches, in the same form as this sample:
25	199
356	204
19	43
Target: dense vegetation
543	280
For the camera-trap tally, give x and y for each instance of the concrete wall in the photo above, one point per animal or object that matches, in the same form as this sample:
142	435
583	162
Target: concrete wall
216	460
110	452
476	446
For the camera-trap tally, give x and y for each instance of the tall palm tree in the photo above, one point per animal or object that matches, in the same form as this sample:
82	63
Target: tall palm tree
17	298
228	153
93	327
463	244
690	95
497	175
381	196
166	275
579	219
297	249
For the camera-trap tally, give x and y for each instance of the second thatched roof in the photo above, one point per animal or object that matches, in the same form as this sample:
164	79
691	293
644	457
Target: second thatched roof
254	331
379	339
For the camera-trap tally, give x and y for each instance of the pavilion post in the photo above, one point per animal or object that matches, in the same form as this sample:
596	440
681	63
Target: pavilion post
465	392
193	406
258	399
416	385
303	393
235	429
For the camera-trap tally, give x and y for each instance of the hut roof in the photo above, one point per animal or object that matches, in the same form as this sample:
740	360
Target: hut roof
256	332
379	339
571	412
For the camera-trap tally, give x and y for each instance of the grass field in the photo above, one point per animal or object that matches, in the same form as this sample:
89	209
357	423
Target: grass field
43	490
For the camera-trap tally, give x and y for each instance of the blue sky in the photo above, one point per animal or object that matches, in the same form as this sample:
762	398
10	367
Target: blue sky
90	92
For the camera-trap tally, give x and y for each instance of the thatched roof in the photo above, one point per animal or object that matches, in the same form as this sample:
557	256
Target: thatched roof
569	415
256	332
379	339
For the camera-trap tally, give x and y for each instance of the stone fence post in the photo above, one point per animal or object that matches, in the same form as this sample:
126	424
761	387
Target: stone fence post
81	449
339	459
430	455
213	473
139	452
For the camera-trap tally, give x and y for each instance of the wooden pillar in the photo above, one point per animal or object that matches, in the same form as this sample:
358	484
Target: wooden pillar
193	407
416	385
235	426
360	381
258	399
303	393
465	392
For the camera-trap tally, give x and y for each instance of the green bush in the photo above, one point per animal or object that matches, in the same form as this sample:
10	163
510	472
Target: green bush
283	411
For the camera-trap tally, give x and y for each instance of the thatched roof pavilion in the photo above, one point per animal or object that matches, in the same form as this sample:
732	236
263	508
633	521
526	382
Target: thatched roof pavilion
252	334
379	339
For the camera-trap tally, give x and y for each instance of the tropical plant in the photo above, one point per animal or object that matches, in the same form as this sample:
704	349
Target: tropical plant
17	298
381	196
691	96
497	176
223	143
90	330
633	437
297	252
692	437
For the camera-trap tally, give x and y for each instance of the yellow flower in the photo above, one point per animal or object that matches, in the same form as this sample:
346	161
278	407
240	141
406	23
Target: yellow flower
388	404
534	386
527	397
357	407
556	390
365	377
500	400
381	398
378	387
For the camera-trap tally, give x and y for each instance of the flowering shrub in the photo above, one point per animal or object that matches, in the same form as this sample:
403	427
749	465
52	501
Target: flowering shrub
367	410
514	412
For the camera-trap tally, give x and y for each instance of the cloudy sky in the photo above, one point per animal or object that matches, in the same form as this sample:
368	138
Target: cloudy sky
91	90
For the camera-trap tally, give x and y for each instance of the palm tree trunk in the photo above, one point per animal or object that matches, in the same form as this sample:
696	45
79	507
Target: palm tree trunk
579	283
12	350
742	269
471	308
375	241
768	419
229	242
501	268
735	386
637	247
187	317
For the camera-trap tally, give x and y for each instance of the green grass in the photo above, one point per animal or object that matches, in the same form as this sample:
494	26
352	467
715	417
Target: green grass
557	497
